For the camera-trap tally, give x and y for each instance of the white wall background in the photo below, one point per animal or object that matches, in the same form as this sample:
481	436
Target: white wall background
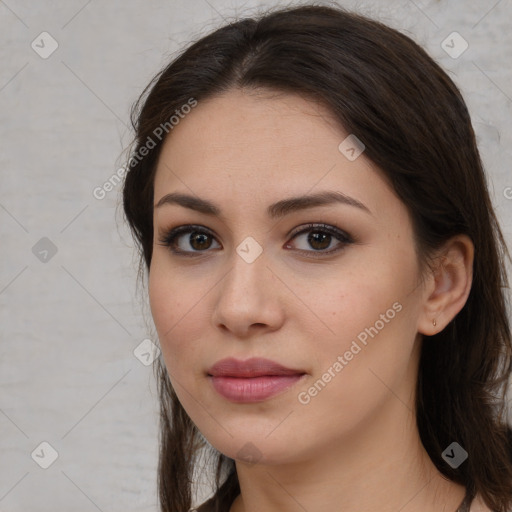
69	326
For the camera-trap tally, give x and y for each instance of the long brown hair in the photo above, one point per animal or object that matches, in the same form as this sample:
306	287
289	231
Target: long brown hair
385	89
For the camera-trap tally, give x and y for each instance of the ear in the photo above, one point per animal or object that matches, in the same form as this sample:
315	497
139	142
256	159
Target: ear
448	285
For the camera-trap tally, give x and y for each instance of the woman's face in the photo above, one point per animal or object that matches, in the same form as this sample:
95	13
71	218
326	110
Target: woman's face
337	305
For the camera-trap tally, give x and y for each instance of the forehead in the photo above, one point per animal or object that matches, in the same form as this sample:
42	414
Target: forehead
263	146
241	124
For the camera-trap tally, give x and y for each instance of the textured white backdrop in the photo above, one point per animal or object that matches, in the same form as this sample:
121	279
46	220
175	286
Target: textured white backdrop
68	375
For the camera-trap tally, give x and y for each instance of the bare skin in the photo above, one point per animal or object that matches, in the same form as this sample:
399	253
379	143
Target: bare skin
353	445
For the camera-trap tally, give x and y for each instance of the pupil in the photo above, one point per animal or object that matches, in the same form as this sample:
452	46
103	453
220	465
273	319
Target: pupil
321	238
201	238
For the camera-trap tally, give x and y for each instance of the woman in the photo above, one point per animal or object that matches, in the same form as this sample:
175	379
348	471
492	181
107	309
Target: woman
326	273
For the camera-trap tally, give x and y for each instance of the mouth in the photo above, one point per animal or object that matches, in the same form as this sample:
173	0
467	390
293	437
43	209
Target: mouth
253	380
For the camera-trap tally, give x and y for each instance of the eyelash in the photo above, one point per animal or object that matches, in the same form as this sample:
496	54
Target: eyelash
169	238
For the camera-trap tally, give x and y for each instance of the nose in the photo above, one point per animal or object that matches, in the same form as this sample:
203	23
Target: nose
247	300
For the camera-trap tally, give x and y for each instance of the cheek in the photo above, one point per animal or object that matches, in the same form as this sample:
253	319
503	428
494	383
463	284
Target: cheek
358	299
168	302
177	303
370	324
163	300
369	355
175	308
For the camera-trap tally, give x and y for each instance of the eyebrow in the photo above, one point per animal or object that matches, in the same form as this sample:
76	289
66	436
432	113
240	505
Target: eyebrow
274	211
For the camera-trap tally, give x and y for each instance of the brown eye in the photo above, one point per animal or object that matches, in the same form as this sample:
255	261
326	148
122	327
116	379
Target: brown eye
319	238
198	240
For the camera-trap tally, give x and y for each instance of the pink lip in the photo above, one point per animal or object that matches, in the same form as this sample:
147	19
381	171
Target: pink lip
252	380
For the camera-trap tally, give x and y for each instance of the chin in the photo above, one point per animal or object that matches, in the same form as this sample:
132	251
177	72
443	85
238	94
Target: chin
246	447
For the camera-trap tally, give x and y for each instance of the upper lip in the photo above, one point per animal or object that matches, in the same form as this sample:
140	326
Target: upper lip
253	367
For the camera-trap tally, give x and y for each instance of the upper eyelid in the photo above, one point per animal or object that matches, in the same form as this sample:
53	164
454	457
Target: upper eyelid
184	228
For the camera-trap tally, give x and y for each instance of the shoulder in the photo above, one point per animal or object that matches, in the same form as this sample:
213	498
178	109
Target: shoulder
207	506
478	505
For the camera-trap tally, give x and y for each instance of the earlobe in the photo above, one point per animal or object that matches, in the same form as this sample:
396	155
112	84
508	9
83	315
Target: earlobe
448	285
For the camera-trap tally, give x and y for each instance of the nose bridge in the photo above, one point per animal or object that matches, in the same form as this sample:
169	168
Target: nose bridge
248	269
246	295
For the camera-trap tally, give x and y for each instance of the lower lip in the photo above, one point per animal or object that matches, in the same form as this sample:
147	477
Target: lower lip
254	389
